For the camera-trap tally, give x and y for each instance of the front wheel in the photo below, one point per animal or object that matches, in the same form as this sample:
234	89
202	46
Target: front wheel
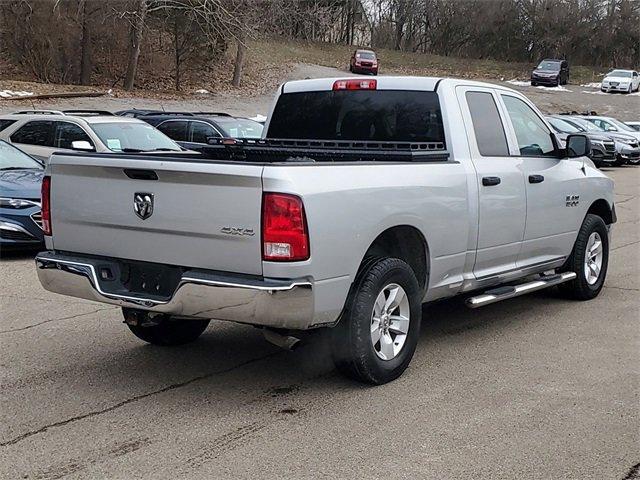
378	332
589	260
163	330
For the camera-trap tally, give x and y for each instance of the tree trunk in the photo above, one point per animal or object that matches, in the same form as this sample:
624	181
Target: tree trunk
136	33
237	68
178	53
85	45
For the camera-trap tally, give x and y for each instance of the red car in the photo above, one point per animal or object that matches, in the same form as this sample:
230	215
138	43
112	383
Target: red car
364	61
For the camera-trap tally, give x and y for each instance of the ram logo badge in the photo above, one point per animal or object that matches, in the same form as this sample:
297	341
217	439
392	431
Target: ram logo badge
143	204
572	200
243	232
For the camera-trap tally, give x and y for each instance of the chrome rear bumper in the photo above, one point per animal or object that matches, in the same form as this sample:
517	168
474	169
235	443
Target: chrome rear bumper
199	293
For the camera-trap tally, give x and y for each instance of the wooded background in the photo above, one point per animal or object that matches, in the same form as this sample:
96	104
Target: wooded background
111	41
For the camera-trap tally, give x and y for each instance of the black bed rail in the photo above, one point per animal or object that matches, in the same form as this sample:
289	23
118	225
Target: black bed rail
295	150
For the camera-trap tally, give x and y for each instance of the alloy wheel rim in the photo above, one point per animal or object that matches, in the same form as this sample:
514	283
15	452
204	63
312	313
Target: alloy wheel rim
593	258
390	321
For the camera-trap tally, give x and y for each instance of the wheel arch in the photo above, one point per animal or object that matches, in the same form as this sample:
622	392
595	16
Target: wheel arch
405	242
605	211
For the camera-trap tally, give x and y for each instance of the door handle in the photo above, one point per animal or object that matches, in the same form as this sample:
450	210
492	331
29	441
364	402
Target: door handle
490	181
536	179
137	174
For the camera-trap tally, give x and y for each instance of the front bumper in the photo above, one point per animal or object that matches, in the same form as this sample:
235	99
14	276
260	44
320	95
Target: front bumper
614	88
19	231
197	294
553	81
629	154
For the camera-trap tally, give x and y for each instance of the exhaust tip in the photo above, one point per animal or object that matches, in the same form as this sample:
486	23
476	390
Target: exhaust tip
287	342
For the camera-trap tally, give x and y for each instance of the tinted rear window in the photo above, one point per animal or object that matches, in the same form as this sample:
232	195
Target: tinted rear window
362	115
5	123
487	125
39	132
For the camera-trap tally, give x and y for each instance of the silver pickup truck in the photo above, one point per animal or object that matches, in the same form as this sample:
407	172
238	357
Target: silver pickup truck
365	199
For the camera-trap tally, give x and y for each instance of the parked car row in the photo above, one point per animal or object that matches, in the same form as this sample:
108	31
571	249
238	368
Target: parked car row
553	72
612	141
28	138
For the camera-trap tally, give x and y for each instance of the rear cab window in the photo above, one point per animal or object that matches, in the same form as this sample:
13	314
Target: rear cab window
360	115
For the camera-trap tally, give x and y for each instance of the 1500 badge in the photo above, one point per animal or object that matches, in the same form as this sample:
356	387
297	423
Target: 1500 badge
572	200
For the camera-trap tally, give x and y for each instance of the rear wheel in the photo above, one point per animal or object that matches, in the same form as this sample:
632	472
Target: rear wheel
589	260
378	333
163	329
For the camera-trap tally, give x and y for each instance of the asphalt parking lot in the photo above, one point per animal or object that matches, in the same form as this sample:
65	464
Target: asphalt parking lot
535	387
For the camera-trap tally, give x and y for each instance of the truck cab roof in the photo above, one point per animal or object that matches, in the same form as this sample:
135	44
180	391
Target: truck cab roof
430	84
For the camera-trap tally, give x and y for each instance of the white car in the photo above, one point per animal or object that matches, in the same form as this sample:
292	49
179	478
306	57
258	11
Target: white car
626	81
634	125
42	132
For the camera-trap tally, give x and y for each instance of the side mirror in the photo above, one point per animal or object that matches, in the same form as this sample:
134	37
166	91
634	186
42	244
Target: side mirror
82	145
578	146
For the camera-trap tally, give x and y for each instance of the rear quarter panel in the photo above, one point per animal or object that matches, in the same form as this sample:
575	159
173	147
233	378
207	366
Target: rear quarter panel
349	206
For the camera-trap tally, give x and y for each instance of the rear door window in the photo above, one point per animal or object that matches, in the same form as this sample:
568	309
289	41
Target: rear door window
358	115
67	133
200	131
37	132
487	125
175	129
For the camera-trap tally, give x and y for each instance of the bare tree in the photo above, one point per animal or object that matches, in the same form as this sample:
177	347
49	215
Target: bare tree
135	34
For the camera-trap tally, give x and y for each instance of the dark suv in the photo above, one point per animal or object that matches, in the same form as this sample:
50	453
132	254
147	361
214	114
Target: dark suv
550	72
193	130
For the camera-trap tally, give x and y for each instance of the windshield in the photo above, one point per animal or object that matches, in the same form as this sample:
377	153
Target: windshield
562	126
590	127
376	115
366	55
123	136
12	159
240	127
546	65
619	73
620	125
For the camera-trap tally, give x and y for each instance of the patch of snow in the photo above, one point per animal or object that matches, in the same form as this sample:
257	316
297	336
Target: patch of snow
202	91
598	92
11	93
559	88
259	118
519	83
591	85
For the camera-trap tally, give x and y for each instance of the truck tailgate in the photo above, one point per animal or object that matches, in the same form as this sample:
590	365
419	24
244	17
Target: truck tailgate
205	215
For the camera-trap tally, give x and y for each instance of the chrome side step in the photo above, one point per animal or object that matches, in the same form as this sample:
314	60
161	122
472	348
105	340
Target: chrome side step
504	293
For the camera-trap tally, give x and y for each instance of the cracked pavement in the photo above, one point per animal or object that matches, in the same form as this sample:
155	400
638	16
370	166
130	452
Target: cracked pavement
534	387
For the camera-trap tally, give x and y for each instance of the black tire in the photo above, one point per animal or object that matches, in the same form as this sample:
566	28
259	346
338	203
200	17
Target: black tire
534	84
167	332
580	289
352	349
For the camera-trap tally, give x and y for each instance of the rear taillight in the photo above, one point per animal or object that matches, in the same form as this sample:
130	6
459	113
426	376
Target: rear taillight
355	85
284	228
46	205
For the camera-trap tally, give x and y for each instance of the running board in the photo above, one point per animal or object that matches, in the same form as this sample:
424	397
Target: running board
504	293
